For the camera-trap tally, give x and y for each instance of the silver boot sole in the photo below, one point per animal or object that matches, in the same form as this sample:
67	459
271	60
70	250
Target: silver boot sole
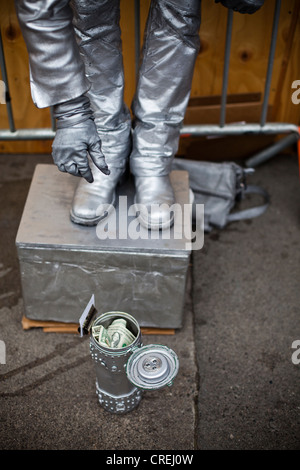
153	202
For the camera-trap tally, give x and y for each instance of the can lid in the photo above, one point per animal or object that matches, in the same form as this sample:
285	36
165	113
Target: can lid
152	367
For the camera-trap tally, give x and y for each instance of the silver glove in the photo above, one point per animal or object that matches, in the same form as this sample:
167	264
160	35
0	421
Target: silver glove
76	136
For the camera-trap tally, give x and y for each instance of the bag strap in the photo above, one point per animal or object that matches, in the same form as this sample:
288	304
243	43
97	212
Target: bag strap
254	211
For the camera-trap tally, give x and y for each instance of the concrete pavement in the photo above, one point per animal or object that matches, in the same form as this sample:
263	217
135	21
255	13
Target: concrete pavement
237	387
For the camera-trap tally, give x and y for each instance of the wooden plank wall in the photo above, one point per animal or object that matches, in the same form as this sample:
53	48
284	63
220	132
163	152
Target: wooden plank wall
249	55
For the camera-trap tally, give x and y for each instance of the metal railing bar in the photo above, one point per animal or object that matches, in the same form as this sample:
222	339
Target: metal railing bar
270	63
226	67
28	134
187	130
269	152
196	130
7	94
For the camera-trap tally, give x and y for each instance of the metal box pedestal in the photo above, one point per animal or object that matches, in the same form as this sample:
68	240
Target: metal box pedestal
62	263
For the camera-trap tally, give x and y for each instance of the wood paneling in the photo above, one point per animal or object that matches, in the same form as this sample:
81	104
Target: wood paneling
249	57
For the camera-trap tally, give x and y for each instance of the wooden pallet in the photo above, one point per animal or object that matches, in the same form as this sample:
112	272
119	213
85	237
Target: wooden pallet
61	327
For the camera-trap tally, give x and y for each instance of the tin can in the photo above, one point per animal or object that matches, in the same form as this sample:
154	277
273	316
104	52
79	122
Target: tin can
122	374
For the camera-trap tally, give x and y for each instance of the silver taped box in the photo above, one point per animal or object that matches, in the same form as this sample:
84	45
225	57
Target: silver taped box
62	263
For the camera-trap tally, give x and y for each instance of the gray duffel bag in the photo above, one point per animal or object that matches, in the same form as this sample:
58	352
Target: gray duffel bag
219	186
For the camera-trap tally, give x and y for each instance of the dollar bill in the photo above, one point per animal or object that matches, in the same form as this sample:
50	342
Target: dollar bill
115	340
115	336
119	334
101	335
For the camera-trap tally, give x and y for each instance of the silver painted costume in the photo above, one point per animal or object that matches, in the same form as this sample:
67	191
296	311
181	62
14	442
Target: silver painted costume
60	71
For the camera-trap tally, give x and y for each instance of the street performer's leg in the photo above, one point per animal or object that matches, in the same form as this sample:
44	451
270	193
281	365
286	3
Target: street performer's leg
96	24
171	45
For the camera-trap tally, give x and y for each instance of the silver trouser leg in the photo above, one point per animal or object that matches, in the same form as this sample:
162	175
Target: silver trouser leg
97	28
171	45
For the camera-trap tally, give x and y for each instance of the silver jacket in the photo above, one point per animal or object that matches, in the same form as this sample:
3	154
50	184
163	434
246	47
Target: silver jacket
60	71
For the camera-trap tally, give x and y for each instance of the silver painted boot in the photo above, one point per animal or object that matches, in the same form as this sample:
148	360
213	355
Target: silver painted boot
153	200
94	201
99	37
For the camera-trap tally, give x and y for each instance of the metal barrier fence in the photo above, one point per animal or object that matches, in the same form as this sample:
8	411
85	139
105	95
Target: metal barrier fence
222	129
